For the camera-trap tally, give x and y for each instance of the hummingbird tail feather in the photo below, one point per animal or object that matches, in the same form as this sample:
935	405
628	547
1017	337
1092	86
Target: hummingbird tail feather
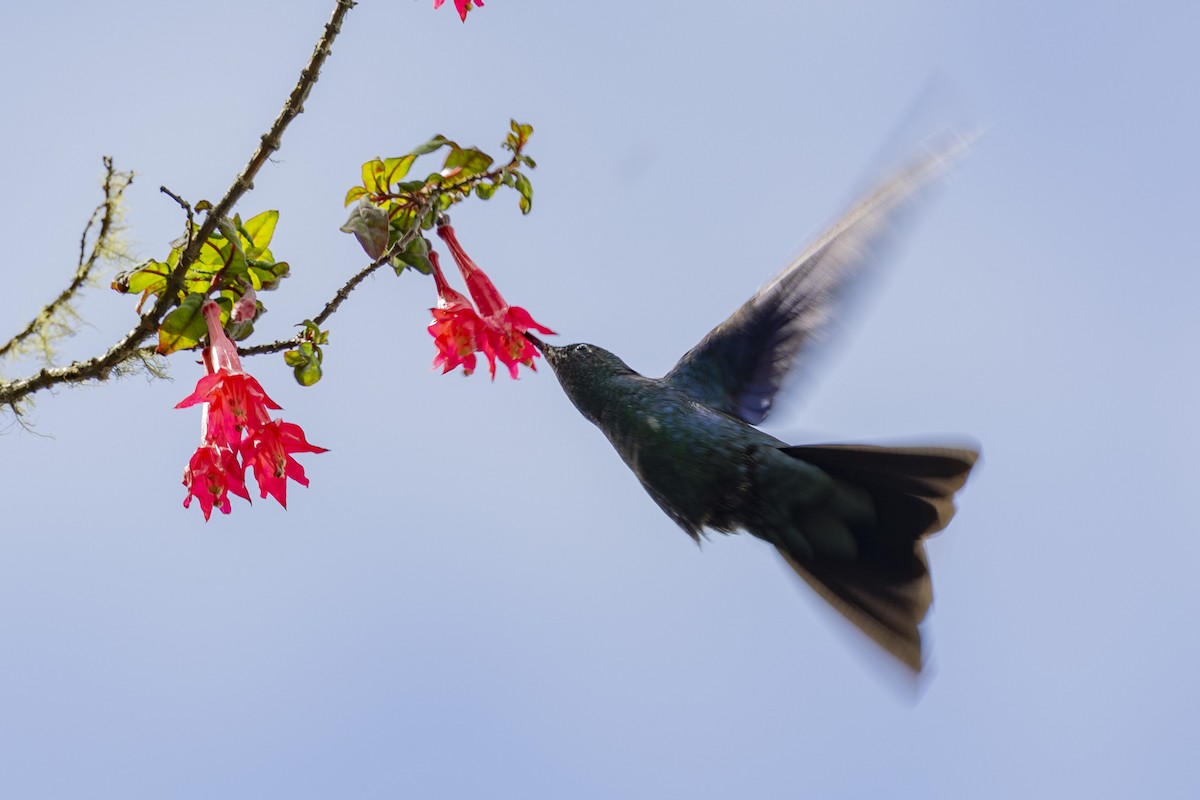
885	588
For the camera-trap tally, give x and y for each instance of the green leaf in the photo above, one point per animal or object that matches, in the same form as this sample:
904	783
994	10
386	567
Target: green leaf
416	256
521	133
313	332
355	193
308	374
394	169
372	171
184	327
228	229
410	186
470	161
305	363
266	275
222	253
149	277
526	189
240	331
484	191
401	219
259	230
431	145
369	224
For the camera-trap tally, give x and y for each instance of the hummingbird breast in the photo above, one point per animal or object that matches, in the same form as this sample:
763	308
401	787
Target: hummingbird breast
697	463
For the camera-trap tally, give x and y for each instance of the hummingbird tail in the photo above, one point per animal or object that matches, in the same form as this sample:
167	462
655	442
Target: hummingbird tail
884	588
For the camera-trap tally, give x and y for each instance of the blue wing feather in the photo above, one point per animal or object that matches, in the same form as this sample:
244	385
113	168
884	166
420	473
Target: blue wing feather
741	364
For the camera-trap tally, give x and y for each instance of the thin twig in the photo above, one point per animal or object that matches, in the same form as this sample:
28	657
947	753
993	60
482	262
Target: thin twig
427	204
114	187
99	367
349	286
185	205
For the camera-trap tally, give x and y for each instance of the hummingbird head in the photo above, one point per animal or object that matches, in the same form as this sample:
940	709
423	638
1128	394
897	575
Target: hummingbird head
585	371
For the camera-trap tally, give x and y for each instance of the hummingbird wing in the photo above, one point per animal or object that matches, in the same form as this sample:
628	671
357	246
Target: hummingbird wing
740	365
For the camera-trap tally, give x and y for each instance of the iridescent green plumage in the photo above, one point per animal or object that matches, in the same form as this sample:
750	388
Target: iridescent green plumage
850	519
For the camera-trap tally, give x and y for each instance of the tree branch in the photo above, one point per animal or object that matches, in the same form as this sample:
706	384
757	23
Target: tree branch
114	187
99	367
349	286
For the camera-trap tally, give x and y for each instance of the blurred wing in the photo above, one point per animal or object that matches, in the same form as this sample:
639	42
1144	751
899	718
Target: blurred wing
739	366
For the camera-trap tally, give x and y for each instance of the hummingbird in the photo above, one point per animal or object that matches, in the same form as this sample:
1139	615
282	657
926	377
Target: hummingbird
850	519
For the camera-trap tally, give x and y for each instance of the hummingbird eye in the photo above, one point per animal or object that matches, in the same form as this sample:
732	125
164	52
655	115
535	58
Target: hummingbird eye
582	348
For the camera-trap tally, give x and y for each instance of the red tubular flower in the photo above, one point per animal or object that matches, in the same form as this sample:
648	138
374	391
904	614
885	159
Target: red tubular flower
236	404
236	401
457	330
237	431
221	352
269	451
504	324
463	6
212	473
245	308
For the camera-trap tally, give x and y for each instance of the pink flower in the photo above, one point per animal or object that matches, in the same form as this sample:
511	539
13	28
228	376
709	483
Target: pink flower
504	324
221	352
457	330
269	451
237	431
212	473
463	6
510	346
236	404
246	306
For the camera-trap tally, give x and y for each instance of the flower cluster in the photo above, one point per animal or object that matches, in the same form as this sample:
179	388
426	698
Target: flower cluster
237	432
463	6
496	329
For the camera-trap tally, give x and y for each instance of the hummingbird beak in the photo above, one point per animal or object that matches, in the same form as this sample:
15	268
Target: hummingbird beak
548	351
538	343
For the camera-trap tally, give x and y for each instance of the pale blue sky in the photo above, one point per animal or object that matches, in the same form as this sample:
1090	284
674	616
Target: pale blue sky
475	599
